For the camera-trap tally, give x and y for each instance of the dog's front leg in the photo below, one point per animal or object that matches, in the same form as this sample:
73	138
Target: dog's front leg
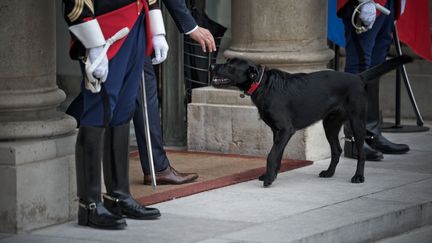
280	140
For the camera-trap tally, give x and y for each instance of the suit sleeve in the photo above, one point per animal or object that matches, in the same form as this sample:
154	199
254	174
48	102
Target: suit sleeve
79	15
181	15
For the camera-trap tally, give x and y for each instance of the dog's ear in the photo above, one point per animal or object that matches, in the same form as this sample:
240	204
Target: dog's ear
252	72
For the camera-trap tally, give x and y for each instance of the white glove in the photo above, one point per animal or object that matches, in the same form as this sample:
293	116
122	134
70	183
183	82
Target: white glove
101	71
160	47
368	13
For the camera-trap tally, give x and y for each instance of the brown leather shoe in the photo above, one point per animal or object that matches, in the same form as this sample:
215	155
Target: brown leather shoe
170	176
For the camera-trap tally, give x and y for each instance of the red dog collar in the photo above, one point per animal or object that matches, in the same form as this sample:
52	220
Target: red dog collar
255	84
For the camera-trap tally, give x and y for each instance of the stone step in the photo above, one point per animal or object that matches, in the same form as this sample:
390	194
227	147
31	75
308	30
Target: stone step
369	229
369	217
419	235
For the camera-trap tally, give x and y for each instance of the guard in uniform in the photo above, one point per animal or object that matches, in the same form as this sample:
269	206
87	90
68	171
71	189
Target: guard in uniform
104	122
364	51
165	173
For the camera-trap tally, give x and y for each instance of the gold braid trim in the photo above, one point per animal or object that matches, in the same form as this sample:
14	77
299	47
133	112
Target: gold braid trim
76	11
89	4
151	2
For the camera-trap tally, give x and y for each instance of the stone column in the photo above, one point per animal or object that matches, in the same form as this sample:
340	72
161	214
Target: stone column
36	141
285	34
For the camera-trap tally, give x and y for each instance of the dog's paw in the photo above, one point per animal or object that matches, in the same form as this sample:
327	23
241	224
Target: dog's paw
357	179
326	174
267	183
267	179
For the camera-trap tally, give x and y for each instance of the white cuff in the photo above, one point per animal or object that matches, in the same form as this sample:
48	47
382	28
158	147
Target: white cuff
190	31
89	33
403	3
156	22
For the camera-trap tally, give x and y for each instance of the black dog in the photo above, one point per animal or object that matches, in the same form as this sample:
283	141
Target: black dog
288	102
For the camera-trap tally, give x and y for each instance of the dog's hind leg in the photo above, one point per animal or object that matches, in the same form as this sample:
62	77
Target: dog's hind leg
280	140
359	130
332	125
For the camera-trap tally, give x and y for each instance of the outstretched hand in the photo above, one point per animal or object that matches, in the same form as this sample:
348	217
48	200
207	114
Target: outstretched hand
204	38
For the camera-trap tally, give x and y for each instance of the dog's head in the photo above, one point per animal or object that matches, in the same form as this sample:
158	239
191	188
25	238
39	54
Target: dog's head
235	72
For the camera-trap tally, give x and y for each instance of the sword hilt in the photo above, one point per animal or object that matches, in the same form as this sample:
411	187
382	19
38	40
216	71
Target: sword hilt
94	84
358	24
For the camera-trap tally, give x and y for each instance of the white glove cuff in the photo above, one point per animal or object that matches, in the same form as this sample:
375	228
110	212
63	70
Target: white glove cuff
89	33
156	22
403	4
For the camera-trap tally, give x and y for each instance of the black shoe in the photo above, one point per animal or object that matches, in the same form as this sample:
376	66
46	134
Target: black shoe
97	216
350	151
382	144
129	208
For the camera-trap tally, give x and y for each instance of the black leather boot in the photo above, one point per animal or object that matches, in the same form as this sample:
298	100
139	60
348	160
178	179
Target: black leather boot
116	174
374	122
350	150
382	144
88	155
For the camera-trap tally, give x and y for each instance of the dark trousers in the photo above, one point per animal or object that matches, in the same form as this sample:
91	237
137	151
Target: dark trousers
366	50
159	156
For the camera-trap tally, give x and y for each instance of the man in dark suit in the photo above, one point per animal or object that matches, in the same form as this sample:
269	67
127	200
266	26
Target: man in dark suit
165	173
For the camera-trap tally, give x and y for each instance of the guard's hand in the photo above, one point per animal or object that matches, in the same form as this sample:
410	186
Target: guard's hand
160	47
101	71
368	13
204	38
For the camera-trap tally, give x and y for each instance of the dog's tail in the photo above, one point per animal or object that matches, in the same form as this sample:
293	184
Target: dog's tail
384	68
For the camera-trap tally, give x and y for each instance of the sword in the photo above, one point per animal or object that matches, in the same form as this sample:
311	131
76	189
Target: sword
147	131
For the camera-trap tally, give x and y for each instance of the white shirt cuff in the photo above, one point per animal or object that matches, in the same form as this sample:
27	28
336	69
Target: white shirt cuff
190	31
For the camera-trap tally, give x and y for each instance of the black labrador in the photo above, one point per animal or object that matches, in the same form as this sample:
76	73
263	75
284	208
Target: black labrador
288	102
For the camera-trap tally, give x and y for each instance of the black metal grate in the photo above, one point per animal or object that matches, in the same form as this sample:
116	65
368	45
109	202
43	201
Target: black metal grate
197	65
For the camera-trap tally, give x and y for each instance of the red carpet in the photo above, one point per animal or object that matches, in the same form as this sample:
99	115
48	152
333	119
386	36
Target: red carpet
215	171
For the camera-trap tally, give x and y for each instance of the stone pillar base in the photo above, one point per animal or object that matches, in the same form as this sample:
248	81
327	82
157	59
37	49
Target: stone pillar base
220	121
34	190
